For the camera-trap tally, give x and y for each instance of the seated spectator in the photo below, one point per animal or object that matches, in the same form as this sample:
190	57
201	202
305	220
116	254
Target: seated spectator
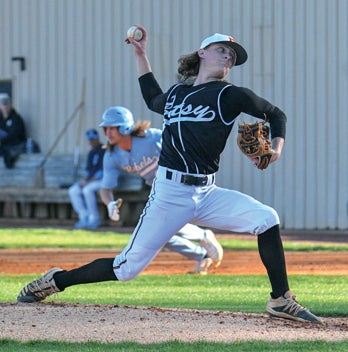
12	132
83	193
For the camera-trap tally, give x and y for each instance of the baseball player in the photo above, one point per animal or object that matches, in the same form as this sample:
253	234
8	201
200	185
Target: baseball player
199	114
135	148
83	193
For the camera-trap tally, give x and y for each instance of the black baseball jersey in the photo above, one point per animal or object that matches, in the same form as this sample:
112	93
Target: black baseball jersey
199	119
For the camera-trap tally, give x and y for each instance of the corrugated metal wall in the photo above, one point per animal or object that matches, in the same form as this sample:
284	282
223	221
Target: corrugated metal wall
297	60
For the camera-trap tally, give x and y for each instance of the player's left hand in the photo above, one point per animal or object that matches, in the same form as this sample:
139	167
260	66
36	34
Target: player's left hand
274	156
113	209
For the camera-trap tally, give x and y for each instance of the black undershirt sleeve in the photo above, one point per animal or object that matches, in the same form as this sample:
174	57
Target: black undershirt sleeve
152	93
240	100
255	105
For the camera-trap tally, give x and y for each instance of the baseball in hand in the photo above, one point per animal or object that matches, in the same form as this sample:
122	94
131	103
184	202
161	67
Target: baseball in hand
135	33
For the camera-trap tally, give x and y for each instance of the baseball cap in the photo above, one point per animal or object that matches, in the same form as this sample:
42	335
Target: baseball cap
92	134
242	55
4	98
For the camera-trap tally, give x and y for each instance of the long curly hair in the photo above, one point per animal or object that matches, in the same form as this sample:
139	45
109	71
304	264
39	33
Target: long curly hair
138	131
188	66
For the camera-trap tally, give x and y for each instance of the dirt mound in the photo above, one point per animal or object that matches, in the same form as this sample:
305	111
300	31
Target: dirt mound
111	323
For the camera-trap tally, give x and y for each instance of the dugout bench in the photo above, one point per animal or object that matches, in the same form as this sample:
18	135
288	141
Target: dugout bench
30	192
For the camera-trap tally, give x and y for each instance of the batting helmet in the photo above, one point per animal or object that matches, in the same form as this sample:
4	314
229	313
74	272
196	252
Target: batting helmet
118	116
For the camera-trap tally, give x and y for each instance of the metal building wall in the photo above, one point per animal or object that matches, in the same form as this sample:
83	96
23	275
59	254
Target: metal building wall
297	60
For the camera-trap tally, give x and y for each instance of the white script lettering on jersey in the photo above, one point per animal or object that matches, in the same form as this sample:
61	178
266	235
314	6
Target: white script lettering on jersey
144	167
181	112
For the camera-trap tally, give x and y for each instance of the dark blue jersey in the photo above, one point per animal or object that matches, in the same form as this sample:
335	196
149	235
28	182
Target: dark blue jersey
94	165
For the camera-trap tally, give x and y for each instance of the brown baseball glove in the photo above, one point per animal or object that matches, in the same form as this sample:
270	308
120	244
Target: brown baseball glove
253	141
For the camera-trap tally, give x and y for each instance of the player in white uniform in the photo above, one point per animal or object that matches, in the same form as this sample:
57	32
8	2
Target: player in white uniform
198	114
135	149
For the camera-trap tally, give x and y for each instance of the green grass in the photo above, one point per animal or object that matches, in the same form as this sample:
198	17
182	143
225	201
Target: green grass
246	293
59	238
174	346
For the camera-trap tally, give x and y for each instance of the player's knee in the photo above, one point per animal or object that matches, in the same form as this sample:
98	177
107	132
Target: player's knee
268	219
123	275
86	191
273	215
71	190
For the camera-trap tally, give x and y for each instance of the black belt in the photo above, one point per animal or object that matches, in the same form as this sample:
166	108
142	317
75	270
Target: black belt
189	179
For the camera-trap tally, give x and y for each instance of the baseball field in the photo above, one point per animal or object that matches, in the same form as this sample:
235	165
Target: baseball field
165	308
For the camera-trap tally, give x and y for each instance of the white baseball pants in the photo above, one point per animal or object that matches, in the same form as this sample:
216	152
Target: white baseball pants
173	204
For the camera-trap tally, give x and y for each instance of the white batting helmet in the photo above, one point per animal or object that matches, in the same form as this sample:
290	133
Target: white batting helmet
118	116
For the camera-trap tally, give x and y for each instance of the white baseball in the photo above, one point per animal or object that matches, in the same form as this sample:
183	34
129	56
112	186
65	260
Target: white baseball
135	33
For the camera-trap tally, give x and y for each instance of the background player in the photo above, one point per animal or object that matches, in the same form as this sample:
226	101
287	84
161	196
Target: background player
198	118
83	193
136	149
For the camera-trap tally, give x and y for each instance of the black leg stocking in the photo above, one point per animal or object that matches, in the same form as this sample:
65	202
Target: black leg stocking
96	271
272	256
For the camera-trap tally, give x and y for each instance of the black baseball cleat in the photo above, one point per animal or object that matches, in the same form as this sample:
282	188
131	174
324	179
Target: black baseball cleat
288	308
39	289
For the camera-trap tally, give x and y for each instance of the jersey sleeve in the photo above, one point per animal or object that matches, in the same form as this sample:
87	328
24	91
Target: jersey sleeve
110	172
245	100
152	93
